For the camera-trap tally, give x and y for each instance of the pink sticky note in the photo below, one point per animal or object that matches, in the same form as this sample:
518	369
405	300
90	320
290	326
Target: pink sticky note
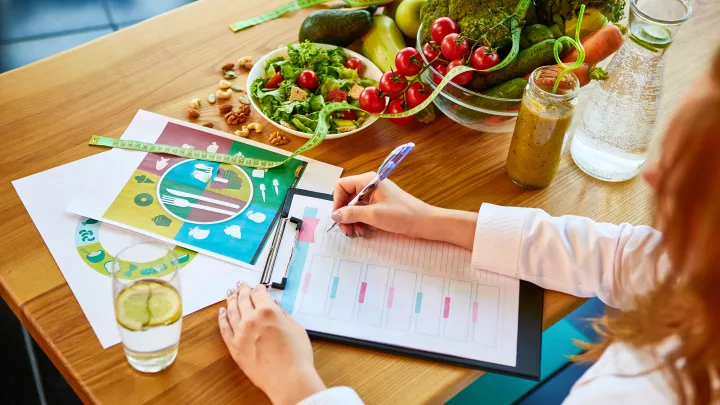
363	287
446	310
307	232
391	295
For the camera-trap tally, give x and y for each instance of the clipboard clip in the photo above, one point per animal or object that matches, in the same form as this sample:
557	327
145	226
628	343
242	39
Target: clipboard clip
267	273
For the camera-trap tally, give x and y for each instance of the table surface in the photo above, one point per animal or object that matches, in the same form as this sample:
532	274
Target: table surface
49	110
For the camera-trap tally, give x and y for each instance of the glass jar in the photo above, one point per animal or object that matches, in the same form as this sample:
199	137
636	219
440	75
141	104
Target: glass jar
544	118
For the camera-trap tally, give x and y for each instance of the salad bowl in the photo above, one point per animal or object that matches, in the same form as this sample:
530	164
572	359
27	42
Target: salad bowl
258	71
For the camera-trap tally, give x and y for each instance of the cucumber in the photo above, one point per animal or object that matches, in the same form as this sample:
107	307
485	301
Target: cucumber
532	34
527	60
337	27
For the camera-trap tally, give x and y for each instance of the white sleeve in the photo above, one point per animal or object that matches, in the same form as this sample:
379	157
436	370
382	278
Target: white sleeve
570	254
333	396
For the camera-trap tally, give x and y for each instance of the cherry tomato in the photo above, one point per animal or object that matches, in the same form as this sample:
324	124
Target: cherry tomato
408	62
371	100
442	27
442	69
396	106
484	58
275	81
416	94
431	50
336	96
392	84
355	64
454	46
346	114
307	80
462	78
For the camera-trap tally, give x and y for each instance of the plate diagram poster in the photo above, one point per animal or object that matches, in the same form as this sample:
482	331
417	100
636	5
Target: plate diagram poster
206	206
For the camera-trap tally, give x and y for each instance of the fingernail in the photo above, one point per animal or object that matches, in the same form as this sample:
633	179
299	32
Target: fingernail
229	292
356	233
222	310
239	283
336	216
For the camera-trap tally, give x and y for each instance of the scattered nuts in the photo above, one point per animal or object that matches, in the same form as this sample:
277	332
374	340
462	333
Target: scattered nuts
192	113
243	133
255	126
223	94
225	108
228	66
236	88
244	100
224	84
229	74
278	139
195	103
208	124
246	62
211	99
239	116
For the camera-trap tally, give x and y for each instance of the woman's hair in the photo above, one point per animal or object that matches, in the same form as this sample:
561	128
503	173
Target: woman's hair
685	303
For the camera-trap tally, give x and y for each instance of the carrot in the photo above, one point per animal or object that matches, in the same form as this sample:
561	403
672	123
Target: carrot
598	45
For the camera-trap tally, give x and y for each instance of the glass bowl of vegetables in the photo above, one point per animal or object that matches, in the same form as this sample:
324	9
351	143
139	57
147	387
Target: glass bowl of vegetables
492	110
290	85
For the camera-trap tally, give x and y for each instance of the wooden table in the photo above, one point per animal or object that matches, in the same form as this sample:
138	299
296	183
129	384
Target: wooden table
48	111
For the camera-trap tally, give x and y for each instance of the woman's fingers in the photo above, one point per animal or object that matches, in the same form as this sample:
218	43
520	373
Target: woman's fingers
226	330
261	297
233	313
347	187
244	303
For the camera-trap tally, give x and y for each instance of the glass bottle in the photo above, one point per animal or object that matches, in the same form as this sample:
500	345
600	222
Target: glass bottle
543	120
612	139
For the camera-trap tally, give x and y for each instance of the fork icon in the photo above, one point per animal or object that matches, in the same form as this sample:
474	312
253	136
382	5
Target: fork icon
183	203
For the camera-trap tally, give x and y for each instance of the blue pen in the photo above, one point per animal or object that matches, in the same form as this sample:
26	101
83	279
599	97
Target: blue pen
388	165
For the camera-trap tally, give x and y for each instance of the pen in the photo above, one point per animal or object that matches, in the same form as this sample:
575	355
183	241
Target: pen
387	166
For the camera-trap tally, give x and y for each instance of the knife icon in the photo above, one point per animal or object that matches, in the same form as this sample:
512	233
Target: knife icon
202	198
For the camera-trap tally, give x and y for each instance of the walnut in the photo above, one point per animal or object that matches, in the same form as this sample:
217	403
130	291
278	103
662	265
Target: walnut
278	139
238	116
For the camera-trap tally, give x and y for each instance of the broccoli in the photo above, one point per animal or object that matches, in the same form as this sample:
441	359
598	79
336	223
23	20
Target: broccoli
485	20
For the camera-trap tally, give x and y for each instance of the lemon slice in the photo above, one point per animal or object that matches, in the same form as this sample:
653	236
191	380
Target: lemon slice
147	303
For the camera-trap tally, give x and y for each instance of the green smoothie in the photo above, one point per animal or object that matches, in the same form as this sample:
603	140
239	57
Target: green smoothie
537	142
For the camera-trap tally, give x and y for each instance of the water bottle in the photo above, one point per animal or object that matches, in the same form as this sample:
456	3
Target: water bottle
612	139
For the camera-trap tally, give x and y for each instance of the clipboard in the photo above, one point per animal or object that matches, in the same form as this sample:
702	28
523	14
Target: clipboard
530	309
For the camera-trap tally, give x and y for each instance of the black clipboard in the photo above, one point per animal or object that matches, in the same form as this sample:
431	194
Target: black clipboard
529	338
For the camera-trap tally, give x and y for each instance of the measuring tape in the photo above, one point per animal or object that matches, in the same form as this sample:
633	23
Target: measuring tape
318	136
295	5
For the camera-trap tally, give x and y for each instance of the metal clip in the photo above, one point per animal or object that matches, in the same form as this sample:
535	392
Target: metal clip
267	274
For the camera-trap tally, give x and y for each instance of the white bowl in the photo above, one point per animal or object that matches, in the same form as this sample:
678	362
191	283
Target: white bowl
258	70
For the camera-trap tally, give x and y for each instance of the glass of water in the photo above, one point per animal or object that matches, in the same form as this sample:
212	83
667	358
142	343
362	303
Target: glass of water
148	304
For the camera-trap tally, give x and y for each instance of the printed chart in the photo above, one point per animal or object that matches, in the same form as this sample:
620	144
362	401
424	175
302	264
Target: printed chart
397	290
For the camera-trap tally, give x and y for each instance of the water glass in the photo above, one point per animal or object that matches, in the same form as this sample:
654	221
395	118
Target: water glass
148	304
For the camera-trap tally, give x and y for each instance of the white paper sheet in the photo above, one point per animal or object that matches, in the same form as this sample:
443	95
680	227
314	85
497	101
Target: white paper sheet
391	289
46	195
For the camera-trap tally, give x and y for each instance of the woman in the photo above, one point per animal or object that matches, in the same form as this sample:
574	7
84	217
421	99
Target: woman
662	347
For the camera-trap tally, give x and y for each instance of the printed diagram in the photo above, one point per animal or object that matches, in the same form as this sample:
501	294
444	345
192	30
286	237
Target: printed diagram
217	207
99	256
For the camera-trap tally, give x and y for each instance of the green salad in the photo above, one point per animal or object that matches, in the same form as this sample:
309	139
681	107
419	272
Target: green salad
296	88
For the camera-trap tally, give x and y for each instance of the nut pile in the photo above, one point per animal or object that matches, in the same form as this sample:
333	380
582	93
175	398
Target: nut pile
278	139
238	116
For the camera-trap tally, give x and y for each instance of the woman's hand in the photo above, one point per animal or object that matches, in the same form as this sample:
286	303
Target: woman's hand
388	208
393	210
270	347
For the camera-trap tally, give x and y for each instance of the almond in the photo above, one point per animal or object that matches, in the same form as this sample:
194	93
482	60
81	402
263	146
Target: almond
228	66
225	108
192	113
